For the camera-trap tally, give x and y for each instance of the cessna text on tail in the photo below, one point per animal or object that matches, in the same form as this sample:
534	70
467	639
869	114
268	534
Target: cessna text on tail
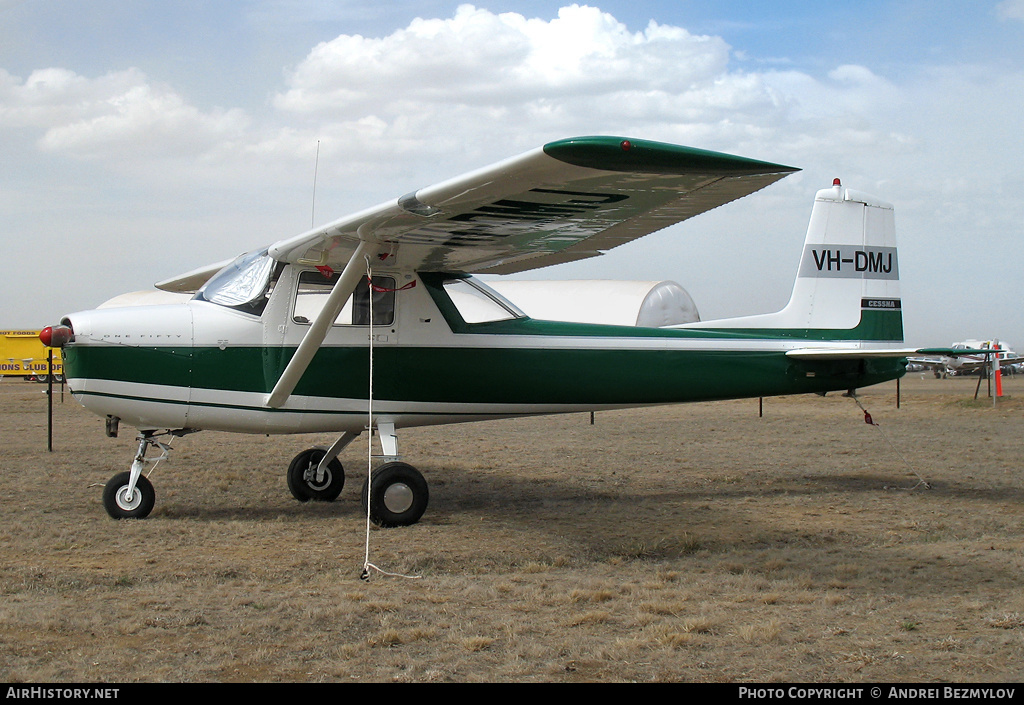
283	339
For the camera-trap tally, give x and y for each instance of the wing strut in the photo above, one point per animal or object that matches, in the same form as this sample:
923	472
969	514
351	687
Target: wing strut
314	337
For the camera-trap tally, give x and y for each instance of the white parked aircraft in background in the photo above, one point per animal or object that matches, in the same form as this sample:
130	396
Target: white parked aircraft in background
967	357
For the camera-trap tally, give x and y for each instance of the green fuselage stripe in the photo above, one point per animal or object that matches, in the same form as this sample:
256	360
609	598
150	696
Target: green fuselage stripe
486	375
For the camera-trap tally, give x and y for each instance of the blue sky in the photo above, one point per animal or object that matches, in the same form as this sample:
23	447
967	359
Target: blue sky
141	139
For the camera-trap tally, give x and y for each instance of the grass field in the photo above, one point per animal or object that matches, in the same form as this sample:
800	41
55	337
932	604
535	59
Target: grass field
689	543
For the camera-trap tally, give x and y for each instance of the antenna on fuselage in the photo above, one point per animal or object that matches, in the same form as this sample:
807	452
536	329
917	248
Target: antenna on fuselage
316	166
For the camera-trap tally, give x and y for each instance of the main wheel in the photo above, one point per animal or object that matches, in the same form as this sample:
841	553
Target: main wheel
302	477
398	495
120	506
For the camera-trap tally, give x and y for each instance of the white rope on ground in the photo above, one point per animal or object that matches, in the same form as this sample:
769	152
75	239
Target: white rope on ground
367	565
871	422
365	575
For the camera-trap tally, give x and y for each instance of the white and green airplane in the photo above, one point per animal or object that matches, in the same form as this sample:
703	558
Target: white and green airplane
374	322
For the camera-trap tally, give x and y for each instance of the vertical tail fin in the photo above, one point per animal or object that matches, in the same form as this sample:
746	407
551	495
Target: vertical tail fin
849	270
847	285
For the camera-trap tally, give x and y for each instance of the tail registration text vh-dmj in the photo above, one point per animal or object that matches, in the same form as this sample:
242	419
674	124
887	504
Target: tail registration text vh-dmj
375	323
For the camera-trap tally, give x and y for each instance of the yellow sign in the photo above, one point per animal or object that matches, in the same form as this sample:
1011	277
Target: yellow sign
22	354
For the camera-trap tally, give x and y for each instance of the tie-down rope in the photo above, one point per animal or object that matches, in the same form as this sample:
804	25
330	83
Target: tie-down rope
367	565
871	422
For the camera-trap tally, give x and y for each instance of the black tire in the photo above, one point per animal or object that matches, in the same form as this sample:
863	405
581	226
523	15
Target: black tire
399	495
302	477
142	501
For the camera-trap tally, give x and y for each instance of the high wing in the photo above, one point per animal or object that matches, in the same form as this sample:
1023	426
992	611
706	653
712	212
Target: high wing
568	200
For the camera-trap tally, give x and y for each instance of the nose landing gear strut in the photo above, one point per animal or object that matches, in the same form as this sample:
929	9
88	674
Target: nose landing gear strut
130	495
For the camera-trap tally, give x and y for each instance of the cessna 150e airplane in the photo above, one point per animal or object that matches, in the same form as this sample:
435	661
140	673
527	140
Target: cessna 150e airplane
374	322
969	357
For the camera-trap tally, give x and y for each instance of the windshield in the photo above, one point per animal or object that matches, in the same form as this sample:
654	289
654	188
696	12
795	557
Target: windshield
244	284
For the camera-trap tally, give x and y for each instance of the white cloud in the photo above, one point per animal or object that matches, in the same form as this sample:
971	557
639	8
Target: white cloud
1010	10
115	115
146	119
475	86
481	59
477	77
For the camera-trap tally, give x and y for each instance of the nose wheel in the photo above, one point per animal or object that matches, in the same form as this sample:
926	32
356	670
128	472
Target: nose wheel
307	481
130	495
124	502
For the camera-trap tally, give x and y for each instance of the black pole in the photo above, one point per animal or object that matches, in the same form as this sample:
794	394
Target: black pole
49	400
988	373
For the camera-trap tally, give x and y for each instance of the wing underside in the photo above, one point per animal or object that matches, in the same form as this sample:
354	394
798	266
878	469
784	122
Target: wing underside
566	201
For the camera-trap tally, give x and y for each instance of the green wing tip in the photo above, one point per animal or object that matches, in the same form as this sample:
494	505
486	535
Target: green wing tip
644	156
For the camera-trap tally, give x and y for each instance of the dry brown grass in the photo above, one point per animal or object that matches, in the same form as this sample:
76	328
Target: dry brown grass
696	543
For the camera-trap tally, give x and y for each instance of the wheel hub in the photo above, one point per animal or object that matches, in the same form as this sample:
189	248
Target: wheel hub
310	478
398	497
128	502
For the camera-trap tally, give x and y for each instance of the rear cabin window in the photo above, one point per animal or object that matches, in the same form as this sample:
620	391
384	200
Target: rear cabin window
314	288
478	303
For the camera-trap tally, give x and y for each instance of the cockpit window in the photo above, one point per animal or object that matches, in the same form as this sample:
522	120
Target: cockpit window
245	284
314	288
479	303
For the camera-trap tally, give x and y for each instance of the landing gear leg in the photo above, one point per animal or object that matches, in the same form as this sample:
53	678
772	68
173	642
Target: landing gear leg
130	495
396	493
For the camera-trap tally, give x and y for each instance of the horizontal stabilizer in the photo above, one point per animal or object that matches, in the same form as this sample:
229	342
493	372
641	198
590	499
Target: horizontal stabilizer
848	354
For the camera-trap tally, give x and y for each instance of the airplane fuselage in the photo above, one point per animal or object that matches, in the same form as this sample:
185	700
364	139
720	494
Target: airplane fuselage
199	365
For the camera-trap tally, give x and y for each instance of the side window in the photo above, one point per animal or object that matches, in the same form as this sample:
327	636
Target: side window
478	303
314	288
